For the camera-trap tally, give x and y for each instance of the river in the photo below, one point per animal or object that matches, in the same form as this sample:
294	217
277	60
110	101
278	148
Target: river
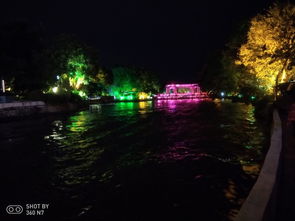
168	160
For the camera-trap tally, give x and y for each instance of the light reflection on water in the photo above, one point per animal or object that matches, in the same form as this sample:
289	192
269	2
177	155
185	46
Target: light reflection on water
168	157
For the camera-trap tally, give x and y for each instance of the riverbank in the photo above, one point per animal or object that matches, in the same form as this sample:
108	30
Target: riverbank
22	109
19	109
272	196
261	201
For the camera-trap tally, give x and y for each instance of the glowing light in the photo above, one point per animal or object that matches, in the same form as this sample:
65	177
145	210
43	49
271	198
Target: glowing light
130	97
143	96
143	104
171	105
55	90
82	94
284	76
77	76
182	91
77	80
222	94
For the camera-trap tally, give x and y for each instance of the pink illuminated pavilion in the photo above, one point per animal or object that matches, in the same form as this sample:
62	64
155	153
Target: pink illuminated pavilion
182	91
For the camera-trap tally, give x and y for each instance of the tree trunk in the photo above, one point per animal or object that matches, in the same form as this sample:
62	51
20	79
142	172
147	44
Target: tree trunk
278	77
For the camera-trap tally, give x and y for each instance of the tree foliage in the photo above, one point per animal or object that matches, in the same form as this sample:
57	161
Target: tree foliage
21	46
216	78
126	79
222	74
269	53
73	67
148	81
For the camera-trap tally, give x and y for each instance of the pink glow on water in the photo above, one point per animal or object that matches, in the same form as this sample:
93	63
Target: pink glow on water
179	153
172	105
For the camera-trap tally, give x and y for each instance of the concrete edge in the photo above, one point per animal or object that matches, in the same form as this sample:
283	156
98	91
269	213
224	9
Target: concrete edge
21	104
35	108
253	209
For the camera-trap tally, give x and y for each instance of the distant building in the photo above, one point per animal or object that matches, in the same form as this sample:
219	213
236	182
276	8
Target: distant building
182	91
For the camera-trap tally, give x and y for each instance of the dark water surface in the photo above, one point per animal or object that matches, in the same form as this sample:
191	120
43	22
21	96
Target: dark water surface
168	160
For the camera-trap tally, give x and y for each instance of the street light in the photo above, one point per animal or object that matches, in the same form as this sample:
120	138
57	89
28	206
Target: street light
3	85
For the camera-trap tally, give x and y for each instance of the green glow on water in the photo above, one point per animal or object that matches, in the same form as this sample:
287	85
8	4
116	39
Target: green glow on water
77	123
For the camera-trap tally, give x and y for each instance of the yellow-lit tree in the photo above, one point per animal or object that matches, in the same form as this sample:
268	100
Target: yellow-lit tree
269	52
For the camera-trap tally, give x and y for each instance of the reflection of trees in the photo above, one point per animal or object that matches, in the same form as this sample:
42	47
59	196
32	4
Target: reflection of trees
77	123
86	140
74	151
230	153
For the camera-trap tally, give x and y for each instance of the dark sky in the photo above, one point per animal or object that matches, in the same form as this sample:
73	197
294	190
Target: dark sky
172	38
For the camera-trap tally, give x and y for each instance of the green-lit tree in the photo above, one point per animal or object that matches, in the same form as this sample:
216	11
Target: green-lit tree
100	83
130	79
73	67
124	80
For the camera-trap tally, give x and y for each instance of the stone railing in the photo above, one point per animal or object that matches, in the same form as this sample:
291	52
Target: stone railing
261	202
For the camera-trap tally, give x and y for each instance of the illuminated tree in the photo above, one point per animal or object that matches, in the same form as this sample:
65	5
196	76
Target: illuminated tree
225	74
99	83
77	68
124	80
269	52
148	81
73	67
127	79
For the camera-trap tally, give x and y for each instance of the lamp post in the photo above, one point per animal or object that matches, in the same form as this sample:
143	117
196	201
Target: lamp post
3	85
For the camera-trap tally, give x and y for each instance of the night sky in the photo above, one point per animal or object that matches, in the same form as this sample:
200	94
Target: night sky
172	38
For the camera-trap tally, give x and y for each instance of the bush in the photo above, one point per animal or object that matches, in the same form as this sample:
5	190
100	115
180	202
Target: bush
264	108
54	98
62	98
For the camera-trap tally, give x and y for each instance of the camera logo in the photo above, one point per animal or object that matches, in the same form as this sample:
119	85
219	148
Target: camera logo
14	209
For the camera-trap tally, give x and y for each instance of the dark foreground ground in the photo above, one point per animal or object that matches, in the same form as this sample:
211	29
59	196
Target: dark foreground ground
286	193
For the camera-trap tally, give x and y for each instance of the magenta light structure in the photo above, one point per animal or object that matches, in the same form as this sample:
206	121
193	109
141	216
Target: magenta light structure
182	91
